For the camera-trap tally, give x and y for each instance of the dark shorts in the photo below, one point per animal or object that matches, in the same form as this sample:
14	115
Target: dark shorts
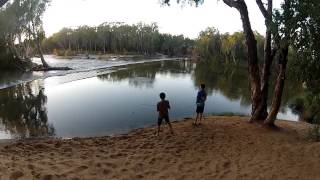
200	109
166	118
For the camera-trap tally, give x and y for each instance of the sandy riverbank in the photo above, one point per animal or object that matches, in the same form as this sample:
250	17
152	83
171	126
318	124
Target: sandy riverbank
222	148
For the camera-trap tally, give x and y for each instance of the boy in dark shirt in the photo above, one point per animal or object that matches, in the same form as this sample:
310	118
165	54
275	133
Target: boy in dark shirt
162	107
201	98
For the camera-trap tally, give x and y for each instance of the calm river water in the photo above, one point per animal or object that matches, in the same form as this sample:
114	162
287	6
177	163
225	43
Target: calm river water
119	99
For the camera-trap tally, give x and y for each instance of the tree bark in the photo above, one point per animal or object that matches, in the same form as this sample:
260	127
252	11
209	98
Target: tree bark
13	48
261	112
276	101
44	63
3	2
253	68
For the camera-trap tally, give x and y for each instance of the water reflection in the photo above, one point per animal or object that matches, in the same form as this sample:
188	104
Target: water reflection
23	111
143	75
124	98
229	81
233	83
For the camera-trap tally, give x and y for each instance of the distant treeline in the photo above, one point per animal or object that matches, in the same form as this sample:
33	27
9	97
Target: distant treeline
230	48
117	38
145	39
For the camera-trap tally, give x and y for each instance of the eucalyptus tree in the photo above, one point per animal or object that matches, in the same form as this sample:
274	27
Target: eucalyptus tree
117	37
259	86
12	21
300	27
34	12
22	22
212	44
306	40
232	46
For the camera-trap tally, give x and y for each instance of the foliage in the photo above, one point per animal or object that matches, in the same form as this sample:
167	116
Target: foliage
23	111
314	132
303	17
118	37
307	106
305	33
229	47
20	29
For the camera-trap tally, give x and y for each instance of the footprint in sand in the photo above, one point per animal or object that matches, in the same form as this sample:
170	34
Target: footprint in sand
139	176
124	170
16	175
30	166
106	171
81	168
47	177
98	165
152	160
110	165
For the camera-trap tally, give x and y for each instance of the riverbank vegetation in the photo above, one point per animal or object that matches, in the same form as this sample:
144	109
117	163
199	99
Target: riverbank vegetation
293	29
145	39
117	38
21	33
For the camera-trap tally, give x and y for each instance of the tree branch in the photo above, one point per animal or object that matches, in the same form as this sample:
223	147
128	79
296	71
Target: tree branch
3	2
262	8
232	3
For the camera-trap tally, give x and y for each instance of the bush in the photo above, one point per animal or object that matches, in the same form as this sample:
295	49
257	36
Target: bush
68	52
58	52
314	132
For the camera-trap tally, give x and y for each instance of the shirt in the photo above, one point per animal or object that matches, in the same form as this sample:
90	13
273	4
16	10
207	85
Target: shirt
162	108
201	97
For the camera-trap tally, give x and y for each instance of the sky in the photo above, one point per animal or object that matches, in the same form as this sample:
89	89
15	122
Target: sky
174	19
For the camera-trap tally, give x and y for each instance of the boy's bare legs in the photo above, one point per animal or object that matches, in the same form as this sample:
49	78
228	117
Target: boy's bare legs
171	129
158	130
195	121
201	115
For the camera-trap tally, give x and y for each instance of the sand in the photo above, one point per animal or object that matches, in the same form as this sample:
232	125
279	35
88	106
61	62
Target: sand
221	148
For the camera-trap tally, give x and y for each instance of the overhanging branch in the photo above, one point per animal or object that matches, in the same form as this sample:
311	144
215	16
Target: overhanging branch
3	2
232	3
262	8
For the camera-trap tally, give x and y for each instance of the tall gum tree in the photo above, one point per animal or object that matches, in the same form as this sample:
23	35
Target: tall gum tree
285	28
253	67
251	43
35	9
24	19
261	112
260	83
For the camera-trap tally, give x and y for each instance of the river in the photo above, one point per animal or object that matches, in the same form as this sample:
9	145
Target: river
101	98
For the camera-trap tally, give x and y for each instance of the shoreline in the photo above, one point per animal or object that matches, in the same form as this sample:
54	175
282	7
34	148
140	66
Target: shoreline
16	82
221	148
126	132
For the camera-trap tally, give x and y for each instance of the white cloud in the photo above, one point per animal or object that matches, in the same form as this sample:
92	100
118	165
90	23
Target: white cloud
175	19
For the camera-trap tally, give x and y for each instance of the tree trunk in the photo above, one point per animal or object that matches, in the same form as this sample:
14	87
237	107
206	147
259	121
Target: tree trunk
276	101
234	60
261	112
13	47
3	2
253	68
44	63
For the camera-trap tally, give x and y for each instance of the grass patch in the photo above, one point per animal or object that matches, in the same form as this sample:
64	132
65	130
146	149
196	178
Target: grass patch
314	131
